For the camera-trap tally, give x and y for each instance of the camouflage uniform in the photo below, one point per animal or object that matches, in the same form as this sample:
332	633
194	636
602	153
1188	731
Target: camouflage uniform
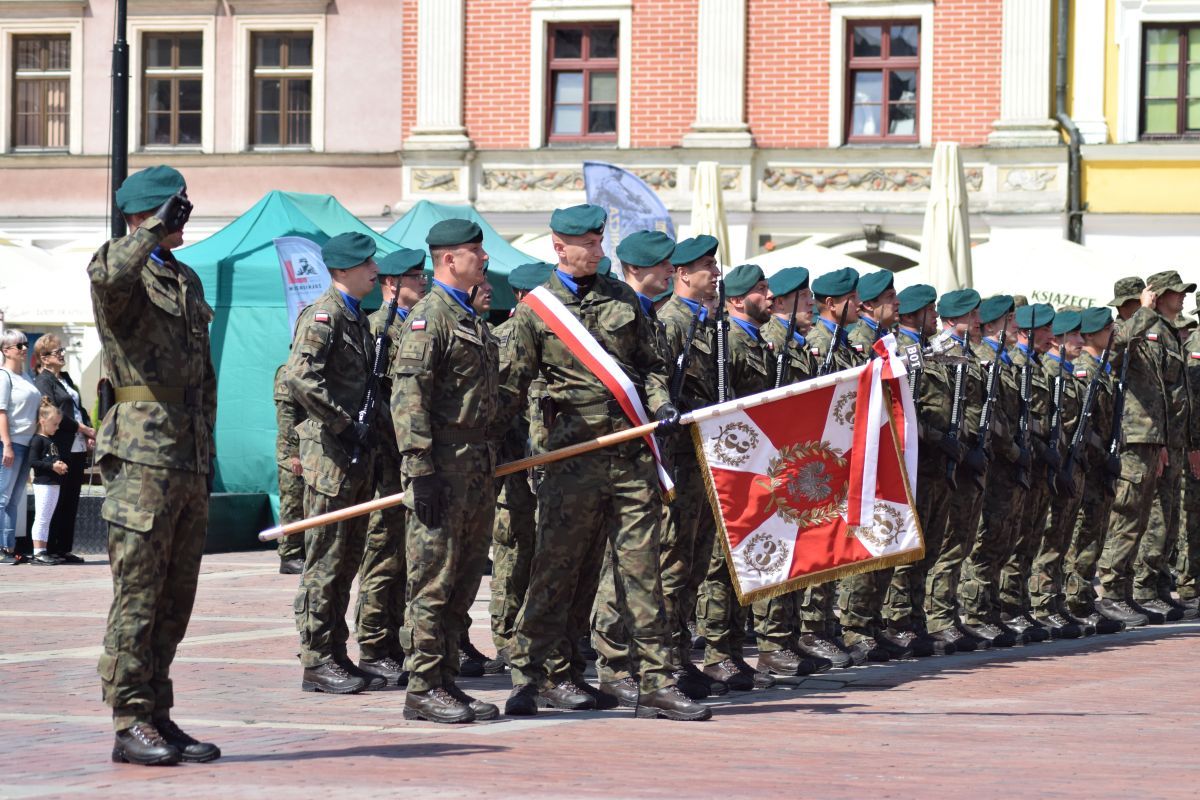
154	448
383	572
800	364
905	598
1144	426
444	399
1047	575
816	604
607	495
287	446
327	375
1187	562
1091	523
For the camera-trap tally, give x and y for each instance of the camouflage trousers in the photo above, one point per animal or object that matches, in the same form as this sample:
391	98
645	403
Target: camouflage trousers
860	601
992	546
692	514
721	619
609	497
1047	578
904	603
815	608
1031	519
1091	525
291	509
332	555
1127	519
157	521
1187	560
512	554
941	585
383	573
445	568
1152	567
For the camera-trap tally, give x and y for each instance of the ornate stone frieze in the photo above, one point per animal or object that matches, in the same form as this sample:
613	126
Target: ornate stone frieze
526	180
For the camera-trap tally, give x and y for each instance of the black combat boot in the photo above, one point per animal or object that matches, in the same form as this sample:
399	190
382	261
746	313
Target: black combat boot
624	691
189	748
389	669
144	744
566	695
482	710
331	678
670	703
522	701
728	673
1121	611
437	705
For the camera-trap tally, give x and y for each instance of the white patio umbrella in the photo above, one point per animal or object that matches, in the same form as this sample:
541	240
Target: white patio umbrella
816	259
946	236
708	209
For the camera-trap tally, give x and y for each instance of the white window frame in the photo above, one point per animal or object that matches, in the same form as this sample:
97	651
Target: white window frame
843	11
243	29
543	14
1132	17
51	27
137	30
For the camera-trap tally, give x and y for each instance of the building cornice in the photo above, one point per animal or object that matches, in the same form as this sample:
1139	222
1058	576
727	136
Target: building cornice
25	9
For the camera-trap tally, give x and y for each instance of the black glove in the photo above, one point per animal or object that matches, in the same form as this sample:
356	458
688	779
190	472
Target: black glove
951	447
175	212
355	435
668	420
428	501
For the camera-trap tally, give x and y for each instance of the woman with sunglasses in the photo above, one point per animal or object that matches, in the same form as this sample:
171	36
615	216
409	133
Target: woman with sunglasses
19	401
75	437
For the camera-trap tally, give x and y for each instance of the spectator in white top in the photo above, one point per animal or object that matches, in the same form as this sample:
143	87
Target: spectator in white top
19	401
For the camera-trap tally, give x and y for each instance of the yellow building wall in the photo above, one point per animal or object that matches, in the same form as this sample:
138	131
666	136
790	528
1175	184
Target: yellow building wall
1141	187
1112	55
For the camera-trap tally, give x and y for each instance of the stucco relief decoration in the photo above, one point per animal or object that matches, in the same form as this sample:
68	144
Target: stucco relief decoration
525	180
731	179
435	180
1029	180
665	178
800	179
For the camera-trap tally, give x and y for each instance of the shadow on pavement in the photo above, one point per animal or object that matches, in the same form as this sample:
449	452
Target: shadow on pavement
415	750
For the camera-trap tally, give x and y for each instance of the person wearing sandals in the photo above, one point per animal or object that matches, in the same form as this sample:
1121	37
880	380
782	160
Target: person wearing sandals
19	400
48	472
75	437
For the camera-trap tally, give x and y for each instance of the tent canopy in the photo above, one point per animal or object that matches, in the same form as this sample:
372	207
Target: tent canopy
37	288
250	335
410	230
816	259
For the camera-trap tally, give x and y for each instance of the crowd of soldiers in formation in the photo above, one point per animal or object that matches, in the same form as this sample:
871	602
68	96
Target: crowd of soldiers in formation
1057	448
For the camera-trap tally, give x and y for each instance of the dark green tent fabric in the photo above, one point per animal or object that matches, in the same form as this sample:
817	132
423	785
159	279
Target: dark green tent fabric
410	231
250	336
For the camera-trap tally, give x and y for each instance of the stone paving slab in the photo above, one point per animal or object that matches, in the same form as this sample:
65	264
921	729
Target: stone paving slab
1113	716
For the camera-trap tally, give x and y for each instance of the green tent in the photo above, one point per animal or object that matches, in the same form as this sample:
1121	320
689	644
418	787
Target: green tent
410	232
250	334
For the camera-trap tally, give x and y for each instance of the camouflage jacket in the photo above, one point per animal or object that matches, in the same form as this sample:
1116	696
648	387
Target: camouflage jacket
934	397
1192	351
383	419
1040	400
751	363
585	408
862	338
1155	364
973	391
1006	409
820	338
800	364
444	390
327	376
700	382
1095	444
1072	397
525	434
288	415
153	326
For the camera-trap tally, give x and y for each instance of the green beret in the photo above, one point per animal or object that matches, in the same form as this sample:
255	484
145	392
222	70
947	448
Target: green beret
1037	315
149	189
694	249
788	280
837	283
1094	319
402	261
1066	322
1126	289
453	232
916	297
347	250
604	266
1169	281
530	276
957	303
741	280
873	284
578	220
645	248
995	307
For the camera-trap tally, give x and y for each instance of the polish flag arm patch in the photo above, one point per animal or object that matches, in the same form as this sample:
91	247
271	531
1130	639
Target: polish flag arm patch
321	316
418	325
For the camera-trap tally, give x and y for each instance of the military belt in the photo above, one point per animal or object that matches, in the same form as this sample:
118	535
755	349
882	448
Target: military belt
461	436
153	393
603	407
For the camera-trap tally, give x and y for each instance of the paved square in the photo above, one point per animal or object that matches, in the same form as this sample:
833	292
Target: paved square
1112	716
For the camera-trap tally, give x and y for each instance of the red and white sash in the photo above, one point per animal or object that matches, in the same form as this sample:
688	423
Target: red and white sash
583	345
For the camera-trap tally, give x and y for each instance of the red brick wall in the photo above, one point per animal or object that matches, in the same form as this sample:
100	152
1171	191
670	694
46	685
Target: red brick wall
787	72
496	76
408	66
966	69
664	71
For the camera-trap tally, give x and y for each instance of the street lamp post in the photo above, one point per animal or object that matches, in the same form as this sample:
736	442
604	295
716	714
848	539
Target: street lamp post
119	157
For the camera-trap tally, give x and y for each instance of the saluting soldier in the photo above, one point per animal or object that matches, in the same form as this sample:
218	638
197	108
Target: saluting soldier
612	495
383	572
905	600
155	451
790	295
327	374
1091	523
862	596
291	482
837	302
444	399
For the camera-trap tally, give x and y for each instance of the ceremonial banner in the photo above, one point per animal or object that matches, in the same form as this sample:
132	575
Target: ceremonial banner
810	483
305	277
631	204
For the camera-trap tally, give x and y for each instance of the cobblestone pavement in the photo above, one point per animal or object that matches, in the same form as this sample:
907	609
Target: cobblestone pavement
1112	716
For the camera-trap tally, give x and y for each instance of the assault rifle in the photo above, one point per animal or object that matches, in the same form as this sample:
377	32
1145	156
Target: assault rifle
781	364
371	396
950	444
827	365
1112	464
1024	460
722	344
976	458
1066	476
1053	456
682	361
